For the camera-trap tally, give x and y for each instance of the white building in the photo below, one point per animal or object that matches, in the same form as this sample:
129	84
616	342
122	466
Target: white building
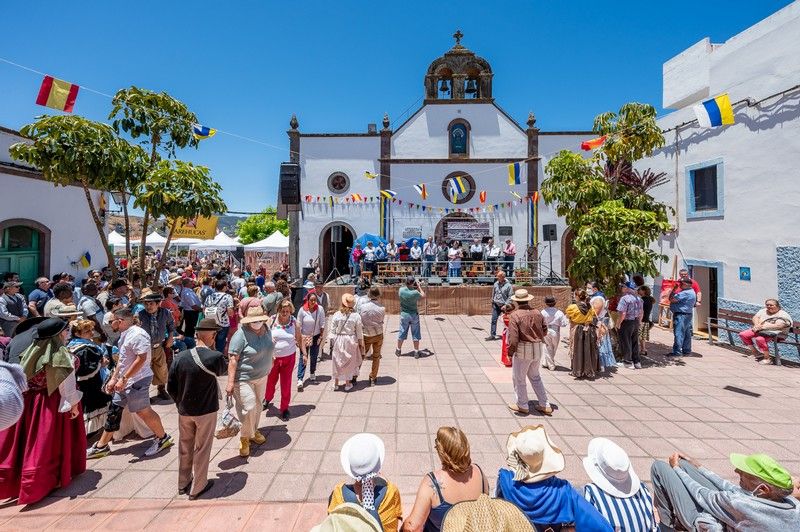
459	131
44	229
736	188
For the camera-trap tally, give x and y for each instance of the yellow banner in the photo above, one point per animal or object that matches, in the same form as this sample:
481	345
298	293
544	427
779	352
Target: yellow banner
200	227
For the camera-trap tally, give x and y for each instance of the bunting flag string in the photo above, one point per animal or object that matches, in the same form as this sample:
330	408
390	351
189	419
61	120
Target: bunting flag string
482	197
516	194
388	194
422	190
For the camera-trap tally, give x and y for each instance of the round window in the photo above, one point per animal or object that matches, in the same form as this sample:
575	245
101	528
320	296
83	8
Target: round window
458	188
338	183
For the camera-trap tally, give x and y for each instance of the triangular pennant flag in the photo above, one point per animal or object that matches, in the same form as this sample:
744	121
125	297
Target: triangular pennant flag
482	196
422	190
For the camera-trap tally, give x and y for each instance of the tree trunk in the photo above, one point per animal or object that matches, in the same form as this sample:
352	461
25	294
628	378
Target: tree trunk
163	259
101	230
154	142
128	254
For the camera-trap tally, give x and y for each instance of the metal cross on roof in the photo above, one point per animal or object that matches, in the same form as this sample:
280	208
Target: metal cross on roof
458	36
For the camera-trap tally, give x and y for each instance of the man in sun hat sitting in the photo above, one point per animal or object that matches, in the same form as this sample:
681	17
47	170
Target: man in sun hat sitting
529	481
615	490
695	498
362	458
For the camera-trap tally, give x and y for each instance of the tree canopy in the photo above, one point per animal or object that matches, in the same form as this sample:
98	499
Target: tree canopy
606	203
260	226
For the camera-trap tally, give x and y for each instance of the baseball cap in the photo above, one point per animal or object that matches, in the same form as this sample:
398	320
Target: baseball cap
763	467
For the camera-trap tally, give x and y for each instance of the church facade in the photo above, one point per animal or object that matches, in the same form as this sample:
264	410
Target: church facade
458	145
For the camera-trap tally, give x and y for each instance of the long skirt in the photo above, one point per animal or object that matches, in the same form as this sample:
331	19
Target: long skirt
44	450
346	357
585	354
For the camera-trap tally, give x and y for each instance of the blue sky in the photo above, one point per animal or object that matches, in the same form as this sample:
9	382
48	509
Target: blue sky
246	66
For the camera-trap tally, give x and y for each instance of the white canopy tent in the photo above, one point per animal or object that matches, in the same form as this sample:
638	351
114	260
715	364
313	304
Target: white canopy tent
115	239
155	240
220	242
276	242
185	241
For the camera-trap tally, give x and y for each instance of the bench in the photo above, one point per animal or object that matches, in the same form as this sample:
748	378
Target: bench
725	318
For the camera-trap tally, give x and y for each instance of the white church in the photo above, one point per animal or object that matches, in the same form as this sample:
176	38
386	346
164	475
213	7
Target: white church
459	131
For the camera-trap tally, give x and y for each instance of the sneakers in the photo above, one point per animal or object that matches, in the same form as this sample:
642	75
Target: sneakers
491	337
259	438
312	378
628	365
637	365
244	447
348	387
97	452
159	444
416	354
397	352
373	382
299	385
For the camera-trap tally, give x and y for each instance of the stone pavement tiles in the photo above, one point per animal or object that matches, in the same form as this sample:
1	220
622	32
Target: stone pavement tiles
707	405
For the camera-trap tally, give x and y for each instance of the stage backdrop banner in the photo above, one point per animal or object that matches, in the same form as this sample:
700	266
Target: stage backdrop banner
412	232
200	227
467	230
666	288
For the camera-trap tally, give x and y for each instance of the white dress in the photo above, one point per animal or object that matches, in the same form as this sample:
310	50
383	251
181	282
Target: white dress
347	334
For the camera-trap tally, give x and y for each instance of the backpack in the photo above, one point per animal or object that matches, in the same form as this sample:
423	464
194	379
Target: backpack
212	309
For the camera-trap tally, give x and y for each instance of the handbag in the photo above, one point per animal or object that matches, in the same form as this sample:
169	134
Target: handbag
228	425
308	340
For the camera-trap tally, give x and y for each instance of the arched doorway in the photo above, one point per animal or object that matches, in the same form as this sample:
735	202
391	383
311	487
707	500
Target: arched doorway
441	232
567	252
335	243
24	249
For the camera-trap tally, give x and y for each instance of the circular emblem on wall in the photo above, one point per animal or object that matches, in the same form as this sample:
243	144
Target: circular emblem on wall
338	182
462	190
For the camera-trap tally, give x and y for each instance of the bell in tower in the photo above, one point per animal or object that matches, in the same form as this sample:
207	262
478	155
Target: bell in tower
459	75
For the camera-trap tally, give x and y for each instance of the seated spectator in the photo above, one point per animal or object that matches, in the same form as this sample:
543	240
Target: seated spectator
530	482
695	498
486	514
615	490
769	322
362	457
458	480
348	517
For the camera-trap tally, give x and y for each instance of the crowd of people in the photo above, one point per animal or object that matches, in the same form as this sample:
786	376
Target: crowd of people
432	257
84	362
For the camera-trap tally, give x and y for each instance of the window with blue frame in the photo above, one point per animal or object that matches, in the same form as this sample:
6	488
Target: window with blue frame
704	190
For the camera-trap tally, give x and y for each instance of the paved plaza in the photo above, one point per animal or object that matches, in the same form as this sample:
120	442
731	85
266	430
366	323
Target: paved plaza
708	405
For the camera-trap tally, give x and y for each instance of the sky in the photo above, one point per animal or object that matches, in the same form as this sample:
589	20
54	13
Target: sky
245	67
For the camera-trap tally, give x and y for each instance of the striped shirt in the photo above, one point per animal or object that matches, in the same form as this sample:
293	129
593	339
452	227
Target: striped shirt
633	514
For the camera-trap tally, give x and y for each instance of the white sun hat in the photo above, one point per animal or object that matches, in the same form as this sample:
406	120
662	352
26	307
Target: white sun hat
609	467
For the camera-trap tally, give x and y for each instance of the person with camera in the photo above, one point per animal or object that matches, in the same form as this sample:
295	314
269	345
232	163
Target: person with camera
409	294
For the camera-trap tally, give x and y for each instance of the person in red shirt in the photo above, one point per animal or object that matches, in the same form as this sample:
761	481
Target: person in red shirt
684	274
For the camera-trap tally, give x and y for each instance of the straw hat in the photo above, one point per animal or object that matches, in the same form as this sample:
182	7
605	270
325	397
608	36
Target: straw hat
362	455
348	517
484	514
609	467
532	456
348	300
521	295
255	314
67	311
174	278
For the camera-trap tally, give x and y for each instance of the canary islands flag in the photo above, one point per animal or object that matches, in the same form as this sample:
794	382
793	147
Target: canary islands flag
201	132
514	173
458	185
388	194
715	112
86	260
57	94
422	190
370	175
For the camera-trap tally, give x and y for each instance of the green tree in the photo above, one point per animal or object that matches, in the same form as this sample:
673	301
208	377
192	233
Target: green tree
70	149
606	203
260	226
162	122
178	190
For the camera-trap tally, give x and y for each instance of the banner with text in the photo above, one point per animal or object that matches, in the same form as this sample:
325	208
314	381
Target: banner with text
200	227
467	230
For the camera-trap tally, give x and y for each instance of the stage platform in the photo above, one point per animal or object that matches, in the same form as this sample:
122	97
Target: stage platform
469	300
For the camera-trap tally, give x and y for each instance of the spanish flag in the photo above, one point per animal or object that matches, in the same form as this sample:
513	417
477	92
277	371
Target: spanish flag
514	172
57	94
357	197
589	145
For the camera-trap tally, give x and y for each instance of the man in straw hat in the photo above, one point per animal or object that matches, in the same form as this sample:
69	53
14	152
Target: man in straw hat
362	458
526	332
192	384
695	498
615	490
529	481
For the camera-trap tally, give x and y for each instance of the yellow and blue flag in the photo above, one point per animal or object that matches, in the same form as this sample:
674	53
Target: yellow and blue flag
388	194
85	260
715	112
458	185
201	132
370	175
514	174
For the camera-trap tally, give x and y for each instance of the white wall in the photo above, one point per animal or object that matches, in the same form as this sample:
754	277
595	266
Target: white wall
760	154
492	134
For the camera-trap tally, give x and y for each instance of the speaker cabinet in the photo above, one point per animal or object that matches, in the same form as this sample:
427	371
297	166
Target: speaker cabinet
549	233
289	183
336	233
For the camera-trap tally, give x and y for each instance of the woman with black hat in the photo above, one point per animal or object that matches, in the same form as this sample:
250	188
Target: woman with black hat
31	467
89	375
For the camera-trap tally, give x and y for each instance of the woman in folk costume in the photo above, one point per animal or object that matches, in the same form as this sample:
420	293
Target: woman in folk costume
46	448
348	343
607	360
89	375
504	346
585	353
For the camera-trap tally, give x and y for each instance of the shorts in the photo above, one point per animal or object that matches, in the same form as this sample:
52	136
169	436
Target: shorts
644	331
411	320
136	396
